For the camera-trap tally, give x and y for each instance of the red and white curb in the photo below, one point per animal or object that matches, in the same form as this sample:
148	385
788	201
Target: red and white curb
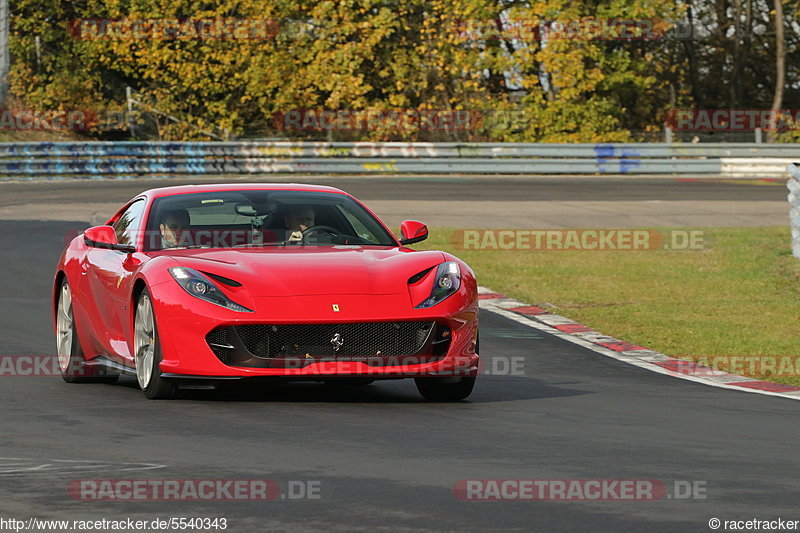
571	331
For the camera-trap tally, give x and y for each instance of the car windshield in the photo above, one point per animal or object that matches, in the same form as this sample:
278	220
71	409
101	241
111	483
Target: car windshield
255	218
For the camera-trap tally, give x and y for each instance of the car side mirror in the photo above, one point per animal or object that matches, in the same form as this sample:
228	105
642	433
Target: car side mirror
412	231
105	237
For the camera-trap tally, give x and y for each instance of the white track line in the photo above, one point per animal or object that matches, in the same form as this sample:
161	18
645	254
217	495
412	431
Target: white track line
642	358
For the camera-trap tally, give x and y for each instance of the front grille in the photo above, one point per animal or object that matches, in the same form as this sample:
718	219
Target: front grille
388	339
218	342
297	345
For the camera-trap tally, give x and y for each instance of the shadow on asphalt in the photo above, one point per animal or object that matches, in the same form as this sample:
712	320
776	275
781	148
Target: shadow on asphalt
487	390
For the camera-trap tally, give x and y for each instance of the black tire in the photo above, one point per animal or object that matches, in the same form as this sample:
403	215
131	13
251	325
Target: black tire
156	387
71	361
445	389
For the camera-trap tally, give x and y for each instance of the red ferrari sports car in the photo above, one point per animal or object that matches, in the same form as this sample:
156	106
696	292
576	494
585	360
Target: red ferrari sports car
195	285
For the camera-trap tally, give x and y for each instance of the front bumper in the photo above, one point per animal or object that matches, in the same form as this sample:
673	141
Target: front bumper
185	323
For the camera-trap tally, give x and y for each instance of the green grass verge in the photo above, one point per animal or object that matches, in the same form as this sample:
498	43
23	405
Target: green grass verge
741	297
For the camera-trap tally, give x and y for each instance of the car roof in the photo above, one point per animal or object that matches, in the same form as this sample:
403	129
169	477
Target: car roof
217	187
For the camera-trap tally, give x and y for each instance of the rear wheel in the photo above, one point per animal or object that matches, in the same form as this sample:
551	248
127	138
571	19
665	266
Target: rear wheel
147	352
70	355
445	389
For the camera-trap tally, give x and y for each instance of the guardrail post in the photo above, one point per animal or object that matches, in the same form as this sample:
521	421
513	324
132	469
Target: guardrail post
794	209
129	105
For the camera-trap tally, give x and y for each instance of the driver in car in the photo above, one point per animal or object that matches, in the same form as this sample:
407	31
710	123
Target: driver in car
174	228
298	219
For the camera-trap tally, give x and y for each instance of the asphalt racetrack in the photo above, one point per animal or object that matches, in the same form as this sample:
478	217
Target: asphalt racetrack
378	457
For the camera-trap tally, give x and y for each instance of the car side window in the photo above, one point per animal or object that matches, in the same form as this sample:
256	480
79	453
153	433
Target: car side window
356	224
129	222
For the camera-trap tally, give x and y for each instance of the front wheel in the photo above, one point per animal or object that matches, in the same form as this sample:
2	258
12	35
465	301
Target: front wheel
69	351
147	352
445	389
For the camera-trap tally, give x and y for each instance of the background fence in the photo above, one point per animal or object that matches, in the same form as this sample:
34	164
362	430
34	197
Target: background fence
794	210
130	159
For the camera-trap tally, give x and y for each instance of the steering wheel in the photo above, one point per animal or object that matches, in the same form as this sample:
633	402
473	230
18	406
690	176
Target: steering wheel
318	229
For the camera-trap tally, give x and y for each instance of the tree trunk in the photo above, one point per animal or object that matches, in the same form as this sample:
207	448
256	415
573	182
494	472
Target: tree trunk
780	70
688	44
4	58
736	71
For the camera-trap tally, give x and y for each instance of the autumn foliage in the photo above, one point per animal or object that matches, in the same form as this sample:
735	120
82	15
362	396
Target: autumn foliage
234	68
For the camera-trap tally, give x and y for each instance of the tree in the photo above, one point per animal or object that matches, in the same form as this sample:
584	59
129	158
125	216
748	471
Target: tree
497	60
4	56
780	69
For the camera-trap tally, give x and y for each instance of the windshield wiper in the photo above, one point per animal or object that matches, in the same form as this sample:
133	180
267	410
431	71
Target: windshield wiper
255	245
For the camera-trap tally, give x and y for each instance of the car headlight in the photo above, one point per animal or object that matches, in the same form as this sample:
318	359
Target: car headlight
201	287
447	282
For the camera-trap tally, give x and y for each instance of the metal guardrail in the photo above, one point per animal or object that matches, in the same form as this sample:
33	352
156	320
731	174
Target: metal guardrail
282	149
129	159
794	209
